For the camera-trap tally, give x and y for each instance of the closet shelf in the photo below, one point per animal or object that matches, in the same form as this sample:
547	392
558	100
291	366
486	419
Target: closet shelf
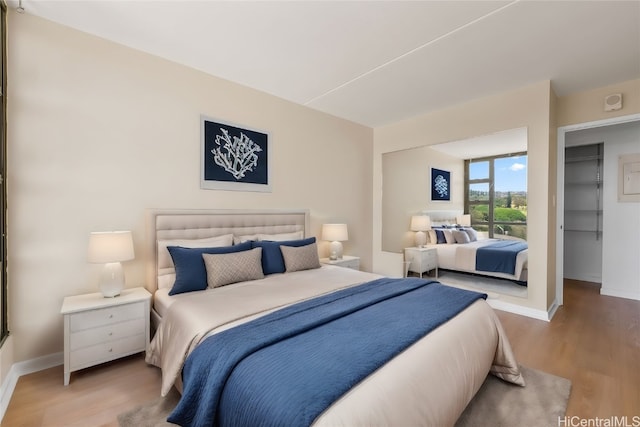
583	211
591	182
575	230
583	159
590	211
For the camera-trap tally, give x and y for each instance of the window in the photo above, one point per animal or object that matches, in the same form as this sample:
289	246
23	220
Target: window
496	195
4	330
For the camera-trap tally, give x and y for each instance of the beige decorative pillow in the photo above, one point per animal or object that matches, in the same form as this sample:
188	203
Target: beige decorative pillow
448	236
224	269
301	257
432	238
473	234
461	236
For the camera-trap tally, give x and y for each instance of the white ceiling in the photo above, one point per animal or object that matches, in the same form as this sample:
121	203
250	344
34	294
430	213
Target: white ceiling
375	62
506	142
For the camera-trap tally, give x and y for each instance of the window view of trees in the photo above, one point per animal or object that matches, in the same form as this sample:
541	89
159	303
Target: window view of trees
496	195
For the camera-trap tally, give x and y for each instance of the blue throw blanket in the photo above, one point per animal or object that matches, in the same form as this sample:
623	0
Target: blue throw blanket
499	257
287	367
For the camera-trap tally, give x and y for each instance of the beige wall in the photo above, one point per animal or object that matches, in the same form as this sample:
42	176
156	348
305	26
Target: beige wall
588	106
406	192
525	107
99	132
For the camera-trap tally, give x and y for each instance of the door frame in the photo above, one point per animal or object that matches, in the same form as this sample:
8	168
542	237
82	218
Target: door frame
560	190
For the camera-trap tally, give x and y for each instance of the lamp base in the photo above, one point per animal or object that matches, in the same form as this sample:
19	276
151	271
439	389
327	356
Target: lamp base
421	239
111	280
335	250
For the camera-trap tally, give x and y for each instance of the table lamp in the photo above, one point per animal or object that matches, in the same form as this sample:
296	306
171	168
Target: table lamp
110	248
464	220
335	233
420	224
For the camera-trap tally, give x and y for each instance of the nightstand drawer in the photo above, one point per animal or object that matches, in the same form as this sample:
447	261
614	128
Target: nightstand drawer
430	257
106	316
89	356
103	334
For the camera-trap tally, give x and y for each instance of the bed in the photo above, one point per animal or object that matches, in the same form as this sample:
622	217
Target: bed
462	249
428	382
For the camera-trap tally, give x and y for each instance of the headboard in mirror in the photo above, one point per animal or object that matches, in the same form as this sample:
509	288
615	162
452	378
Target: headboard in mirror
443	217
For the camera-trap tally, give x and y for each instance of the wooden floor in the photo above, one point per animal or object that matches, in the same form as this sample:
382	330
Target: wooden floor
593	340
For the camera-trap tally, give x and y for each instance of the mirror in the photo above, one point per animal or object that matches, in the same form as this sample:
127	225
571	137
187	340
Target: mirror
407	191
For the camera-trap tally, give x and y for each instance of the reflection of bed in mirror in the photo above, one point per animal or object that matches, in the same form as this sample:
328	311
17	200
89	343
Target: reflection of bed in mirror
458	250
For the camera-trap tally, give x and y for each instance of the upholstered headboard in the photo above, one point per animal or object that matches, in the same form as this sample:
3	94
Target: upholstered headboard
201	224
443	217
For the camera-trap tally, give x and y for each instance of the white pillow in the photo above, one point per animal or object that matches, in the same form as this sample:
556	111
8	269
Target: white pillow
245	238
294	235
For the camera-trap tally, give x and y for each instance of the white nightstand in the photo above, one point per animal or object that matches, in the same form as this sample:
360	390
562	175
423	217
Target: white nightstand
422	260
346	261
98	329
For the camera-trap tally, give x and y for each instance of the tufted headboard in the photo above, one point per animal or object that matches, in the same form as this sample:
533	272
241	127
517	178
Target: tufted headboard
201	224
443	217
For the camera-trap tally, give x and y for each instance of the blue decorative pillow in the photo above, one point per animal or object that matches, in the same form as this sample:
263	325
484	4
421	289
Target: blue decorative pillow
191	273
272	259
441	237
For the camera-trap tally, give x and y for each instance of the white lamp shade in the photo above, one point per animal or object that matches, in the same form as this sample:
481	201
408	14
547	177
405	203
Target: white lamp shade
420	223
464	220
335	232
110	246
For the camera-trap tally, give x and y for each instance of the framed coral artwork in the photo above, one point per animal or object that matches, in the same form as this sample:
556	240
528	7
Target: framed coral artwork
440	185
233	157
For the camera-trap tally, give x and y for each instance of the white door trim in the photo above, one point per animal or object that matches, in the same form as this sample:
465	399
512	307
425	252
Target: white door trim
560	191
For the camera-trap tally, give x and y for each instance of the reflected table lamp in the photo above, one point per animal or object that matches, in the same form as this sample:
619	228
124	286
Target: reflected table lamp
110	248
335	233
420	224
464	220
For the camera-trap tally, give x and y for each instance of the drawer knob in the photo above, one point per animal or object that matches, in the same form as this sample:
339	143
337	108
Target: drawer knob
110	333
110	350
111	316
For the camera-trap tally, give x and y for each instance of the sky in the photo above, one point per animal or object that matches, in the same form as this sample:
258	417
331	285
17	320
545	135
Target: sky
510	173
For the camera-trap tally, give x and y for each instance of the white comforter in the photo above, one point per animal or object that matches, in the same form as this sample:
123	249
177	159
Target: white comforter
462	257
430	383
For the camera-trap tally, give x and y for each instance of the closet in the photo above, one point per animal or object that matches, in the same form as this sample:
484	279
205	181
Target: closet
583	228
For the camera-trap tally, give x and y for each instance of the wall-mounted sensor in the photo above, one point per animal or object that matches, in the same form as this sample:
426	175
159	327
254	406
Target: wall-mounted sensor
613	102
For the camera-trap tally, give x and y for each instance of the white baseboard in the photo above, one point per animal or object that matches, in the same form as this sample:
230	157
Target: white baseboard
619	293
24	368
523	311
